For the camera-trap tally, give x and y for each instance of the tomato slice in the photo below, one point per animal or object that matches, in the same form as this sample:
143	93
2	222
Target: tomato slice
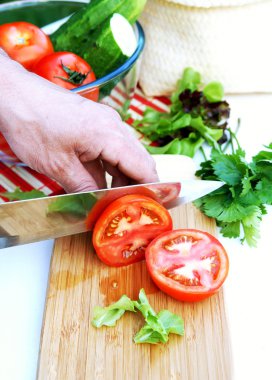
126	227
111	196
162	193
187	264
167	192
25	42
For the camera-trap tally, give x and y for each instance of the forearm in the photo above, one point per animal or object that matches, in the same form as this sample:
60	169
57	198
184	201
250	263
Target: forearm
12	76
22	95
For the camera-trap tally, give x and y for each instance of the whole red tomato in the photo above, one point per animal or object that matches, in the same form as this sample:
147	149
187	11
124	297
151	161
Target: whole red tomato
67	70
187	264
126	227
25	43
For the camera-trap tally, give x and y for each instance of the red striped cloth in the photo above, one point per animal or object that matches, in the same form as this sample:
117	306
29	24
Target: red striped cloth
13	175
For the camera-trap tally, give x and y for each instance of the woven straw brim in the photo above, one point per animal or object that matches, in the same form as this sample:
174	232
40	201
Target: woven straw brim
231	45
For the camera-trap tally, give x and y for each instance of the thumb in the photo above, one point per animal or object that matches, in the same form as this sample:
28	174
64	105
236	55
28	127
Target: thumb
76	178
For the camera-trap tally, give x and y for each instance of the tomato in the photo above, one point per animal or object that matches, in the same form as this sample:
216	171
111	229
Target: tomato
111	196
161	193
67	70
166	192
187	264
25	43
127	226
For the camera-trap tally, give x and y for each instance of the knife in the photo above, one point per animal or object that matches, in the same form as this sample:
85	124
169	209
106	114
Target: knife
39	219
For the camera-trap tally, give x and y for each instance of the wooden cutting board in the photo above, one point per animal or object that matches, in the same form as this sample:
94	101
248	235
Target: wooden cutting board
71	348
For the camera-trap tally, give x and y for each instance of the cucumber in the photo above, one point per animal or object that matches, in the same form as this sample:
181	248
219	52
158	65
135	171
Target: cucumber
110	46
71	35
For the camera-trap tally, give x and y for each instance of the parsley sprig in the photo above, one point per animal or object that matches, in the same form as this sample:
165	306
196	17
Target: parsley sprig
239	205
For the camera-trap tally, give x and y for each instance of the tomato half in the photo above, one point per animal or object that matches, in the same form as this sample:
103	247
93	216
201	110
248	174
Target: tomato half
187	264
126	227
25	43
67	70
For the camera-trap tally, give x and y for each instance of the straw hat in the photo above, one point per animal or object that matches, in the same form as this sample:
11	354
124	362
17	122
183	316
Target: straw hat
226	40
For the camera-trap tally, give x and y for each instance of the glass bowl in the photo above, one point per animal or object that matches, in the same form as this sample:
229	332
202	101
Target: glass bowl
115	89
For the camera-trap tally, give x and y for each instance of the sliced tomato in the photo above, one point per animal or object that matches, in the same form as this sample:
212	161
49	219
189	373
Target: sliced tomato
25	43
166	192
126	227
68	70
111	196
187	264
161	193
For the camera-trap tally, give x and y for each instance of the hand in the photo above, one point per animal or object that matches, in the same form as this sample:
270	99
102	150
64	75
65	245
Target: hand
67	137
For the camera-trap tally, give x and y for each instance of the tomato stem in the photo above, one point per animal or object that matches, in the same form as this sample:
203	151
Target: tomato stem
74	77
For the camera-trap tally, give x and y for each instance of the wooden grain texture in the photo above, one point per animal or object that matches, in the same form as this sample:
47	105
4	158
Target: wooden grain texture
71	348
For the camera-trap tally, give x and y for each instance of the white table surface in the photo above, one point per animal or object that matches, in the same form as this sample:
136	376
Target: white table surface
24	272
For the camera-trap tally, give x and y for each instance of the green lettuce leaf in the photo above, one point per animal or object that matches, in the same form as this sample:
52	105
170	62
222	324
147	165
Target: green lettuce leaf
143	305
78	204
214	92
157	327
190	80
19	195
172	323
187	146
107	316
148	335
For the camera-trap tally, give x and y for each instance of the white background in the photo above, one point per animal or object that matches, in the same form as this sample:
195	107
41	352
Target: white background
24	272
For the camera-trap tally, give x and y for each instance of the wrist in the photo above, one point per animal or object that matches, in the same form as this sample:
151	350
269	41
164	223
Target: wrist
12	77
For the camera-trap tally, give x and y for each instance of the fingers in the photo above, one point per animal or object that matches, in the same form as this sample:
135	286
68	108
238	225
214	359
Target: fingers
96	170
138	165
76	178
131	159
118	178
115	143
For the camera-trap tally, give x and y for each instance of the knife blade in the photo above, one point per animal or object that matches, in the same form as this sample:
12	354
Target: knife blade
29	221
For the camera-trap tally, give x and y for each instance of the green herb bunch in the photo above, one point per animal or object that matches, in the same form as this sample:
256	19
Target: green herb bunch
195	116
239	205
